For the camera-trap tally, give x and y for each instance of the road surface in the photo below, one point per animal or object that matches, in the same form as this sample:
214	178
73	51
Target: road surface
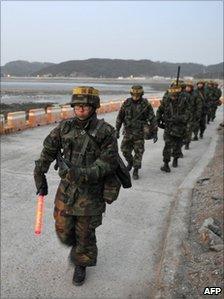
129	241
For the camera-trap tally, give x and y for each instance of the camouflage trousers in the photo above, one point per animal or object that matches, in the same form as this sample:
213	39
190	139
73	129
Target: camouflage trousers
188	134
196	126
213	112
79	233
132	143
201	126
172	146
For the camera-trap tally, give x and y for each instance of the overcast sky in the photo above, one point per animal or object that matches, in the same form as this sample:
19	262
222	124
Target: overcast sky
57	31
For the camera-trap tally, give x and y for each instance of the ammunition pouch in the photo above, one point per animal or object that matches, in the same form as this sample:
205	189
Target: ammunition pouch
113	183
112	187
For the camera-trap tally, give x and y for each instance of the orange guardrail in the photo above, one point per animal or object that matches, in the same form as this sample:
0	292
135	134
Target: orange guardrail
17	120
67	112
37	117
53	114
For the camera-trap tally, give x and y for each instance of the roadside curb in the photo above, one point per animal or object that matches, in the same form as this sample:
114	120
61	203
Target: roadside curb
177	227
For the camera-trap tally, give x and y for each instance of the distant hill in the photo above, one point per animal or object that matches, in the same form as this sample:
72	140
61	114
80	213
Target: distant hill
110	68
113	68
23	68
215	71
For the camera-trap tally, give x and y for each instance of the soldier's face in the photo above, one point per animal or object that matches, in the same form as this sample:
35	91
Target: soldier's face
83	111
174	96
188	89
200	85
136	96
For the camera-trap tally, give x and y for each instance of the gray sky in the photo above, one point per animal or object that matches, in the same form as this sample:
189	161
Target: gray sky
57	31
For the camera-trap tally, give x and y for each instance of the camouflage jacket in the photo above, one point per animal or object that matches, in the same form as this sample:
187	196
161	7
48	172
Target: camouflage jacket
203	95
175	114
217	93
195	106
128	113
210	95
84	192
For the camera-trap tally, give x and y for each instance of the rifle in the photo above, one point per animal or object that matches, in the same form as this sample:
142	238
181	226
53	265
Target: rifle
178	74
61	163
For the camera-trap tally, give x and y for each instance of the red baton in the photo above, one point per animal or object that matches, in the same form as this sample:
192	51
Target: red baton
39	215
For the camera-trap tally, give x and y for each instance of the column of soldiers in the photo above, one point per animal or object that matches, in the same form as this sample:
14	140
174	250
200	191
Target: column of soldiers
183	114
90	168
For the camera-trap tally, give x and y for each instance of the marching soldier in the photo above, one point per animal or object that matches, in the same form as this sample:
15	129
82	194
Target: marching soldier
196	109
201	94
135	114
90	155
173	115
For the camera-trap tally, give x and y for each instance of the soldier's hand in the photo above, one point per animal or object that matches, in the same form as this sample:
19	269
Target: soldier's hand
117	134
155	138
41	183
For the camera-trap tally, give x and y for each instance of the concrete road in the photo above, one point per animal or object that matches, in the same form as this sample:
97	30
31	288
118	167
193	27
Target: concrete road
129	241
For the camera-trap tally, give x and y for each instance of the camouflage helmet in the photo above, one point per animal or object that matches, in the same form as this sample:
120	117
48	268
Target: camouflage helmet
210	82
85	95
201	82
136	89
189	83
181	83
175	89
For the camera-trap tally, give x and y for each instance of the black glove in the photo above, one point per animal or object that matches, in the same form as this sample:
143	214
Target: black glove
161	124
117	134
155	138
41	183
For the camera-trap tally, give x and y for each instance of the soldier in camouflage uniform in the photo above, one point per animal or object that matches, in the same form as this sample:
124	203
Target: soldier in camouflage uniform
214	94
173	115
200	94
210	95
196	109
134	113
79	201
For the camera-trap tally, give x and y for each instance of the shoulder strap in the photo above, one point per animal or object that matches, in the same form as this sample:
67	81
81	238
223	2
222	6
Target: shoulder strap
202	95
87	139
139	114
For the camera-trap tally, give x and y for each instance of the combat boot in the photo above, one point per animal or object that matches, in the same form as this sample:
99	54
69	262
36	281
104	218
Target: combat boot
195	138
175	163
165	167
187	146
129	166
79	275
135	174
201	135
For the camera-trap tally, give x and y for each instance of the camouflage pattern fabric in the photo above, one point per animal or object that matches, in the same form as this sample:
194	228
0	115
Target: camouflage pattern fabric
133	143
172	146
209	93
79	201
82	186
201	126
196	110
175	114
133	129
78	232
216	95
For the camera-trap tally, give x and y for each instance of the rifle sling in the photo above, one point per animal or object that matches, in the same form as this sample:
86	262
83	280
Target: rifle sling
139	114
87	139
